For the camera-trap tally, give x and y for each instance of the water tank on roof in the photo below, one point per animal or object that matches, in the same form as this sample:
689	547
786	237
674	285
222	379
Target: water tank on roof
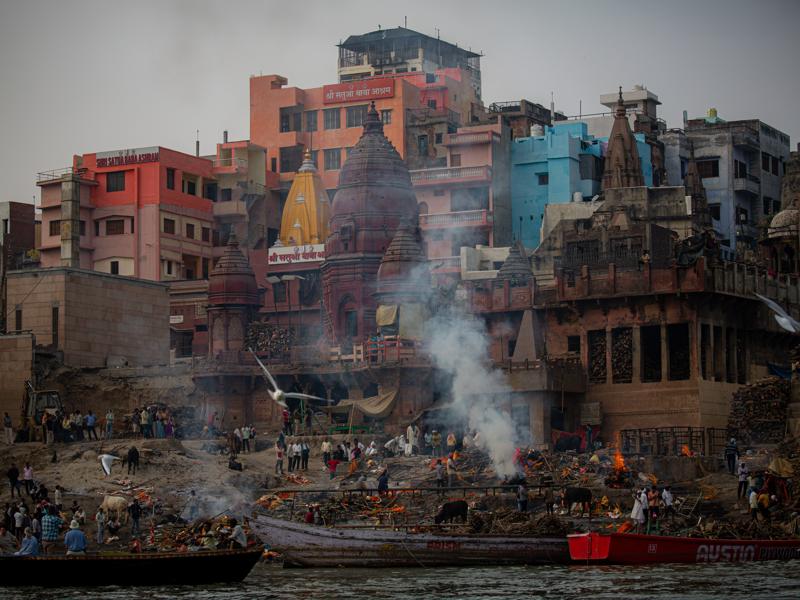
577	197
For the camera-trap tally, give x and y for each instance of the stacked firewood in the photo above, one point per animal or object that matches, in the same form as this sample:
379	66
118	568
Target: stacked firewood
758	411
270	339
622	355
597	357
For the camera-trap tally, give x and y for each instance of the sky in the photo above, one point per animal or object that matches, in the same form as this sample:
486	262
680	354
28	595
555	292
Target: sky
82	76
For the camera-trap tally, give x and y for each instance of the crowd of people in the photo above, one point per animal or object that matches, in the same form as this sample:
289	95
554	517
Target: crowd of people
152	422
61	426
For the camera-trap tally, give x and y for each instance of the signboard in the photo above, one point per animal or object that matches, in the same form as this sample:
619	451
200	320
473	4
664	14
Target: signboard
131	156
175	319
358	91
287	255
590	413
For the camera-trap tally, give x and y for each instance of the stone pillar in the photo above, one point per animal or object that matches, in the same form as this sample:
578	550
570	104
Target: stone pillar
664	353
71	222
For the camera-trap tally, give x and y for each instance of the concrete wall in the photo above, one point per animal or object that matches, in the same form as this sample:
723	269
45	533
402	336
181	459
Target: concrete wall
16	354
99	315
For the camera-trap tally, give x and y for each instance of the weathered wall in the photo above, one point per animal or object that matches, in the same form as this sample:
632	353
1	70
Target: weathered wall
16	354
99	315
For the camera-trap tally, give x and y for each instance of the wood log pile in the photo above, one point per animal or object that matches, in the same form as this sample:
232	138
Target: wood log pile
597	356
758	411
622	355
270	339
507	521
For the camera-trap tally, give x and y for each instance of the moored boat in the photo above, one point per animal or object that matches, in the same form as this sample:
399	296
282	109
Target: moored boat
305	545
146	568
632	549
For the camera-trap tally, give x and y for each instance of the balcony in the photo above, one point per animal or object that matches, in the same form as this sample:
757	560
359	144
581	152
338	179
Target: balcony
56	174
462	139
463	218
748	185
230	165
230	207
443	175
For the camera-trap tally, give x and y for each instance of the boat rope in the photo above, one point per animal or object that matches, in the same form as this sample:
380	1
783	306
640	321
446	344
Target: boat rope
412	555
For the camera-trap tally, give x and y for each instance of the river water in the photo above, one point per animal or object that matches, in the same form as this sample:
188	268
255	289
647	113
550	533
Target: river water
753	581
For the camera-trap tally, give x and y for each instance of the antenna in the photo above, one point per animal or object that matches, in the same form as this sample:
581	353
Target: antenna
405	22
197	144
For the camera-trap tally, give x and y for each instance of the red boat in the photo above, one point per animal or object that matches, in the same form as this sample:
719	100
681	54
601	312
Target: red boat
636	549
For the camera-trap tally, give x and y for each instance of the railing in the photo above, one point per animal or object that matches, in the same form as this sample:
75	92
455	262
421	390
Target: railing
253	187
749	184
431	176
230	162
58	173
463	217
482	137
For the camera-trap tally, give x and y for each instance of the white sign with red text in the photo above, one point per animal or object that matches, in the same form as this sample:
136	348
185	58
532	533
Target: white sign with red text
287	255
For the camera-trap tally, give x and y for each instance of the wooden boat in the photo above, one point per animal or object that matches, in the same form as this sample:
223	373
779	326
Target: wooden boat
634	549
305	545
146	568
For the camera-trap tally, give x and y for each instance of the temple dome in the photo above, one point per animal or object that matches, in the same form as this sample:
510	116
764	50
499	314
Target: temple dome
404	266
516	267
784	224
307	210
232	281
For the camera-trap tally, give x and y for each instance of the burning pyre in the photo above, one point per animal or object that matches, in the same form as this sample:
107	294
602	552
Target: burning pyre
620	475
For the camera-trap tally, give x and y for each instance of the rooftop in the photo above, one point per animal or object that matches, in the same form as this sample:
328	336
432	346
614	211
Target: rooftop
359	42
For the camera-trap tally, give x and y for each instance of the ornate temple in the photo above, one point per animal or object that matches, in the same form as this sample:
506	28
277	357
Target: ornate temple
622	166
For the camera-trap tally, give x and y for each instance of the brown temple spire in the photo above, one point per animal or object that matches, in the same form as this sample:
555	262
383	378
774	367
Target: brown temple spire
622	167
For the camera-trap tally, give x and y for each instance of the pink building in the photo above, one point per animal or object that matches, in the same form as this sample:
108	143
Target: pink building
466	203
142	212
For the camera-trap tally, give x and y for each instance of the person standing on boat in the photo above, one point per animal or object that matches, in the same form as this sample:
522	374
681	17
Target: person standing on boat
238	538
667	499
753	502
75	540
637	514
744	474
731	454
100	521
644	503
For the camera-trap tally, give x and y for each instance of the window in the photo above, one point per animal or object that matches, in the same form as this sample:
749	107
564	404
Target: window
190	231
356	115
6	227
739	170
708	168
115	267
455	160
332	118
767	208
650	341
742	215
386	117
438	138
351	324
573	343
311	120
169	226
591	167
432	104
273	164
190	187
132	226
713	210
422	145
279	292
430	77
205	268
169	267
765	161
82	228
210	191
55	227
543	178
205	234
775	165
18	319
438	192
333	159
115	227
291	119
97	228
170	179
115	182
315	158
225	195
291	158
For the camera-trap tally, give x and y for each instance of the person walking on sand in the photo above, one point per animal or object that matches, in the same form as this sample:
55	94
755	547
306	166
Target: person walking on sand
109	424
278	459
9	429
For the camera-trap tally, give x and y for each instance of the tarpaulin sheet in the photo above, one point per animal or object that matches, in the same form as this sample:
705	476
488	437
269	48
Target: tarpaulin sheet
378	407
386	315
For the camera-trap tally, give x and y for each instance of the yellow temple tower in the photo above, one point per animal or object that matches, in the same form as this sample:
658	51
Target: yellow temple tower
307	210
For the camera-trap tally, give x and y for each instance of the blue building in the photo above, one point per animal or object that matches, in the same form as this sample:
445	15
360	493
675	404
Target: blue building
552	168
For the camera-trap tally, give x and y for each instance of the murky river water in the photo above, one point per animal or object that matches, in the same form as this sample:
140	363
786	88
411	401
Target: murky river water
771	580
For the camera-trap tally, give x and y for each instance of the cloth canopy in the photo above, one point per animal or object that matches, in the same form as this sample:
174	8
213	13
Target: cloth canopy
386	315
377	407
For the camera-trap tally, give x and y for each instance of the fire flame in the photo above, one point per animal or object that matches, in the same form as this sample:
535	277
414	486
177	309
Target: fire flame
685	451
619	462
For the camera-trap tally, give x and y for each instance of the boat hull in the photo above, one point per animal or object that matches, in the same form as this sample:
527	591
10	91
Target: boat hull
632	549
173	568
313	546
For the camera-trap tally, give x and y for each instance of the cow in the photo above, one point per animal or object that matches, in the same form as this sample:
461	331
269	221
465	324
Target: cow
118	505
451	510
133	459
577	495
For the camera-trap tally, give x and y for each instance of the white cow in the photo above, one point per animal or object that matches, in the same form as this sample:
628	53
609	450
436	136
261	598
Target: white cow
118	505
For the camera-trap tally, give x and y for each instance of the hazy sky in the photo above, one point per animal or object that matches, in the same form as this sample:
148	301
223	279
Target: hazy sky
84	76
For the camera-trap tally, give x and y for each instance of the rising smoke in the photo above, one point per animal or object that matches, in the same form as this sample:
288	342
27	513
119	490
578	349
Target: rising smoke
458	344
